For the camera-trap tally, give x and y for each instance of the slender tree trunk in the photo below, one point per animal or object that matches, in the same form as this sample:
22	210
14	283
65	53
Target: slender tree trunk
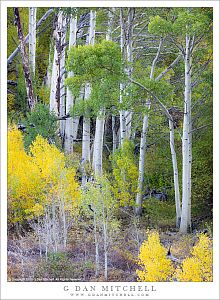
128	114
175	174
143	142
62	79
100	120
139	196
32	37
71	123
25	62
96	246
26	39
190	155
86	119
122	85
105	248
186	182
98	143
55	78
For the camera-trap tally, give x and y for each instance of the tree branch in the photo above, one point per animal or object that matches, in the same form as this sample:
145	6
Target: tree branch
162	74
26	39
165	110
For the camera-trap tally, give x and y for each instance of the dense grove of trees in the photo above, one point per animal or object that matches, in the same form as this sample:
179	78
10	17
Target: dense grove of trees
109	133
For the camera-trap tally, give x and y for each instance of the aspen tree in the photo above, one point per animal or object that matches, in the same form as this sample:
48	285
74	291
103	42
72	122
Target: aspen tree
25	62
32	37
71	123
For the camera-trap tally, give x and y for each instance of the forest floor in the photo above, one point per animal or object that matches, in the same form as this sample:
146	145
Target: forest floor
77	261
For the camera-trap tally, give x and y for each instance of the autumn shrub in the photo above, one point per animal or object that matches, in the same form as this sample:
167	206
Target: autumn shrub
198	267
41	190
24	179
155	266
125	173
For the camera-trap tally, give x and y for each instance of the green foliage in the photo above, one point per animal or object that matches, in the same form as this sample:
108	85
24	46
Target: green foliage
21	97
159	26
191	21
125	173
98	194
43	49
159	213
101	66
40	122
99	203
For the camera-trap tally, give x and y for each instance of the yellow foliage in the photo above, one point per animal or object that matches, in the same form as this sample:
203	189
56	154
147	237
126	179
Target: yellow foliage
198	267
48	159
152	259
24	184
125	173
38	178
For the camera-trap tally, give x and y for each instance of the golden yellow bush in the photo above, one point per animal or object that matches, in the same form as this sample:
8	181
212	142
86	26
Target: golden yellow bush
37	179
24	182
198	267
152	258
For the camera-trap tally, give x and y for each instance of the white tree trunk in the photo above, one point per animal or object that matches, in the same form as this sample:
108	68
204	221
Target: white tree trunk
139	196
86	131
138	208
122	86
86	120
71	123
175	174
62	79
54	105
32	37
186	182
100	120
96	245
98	143
130	60
190	155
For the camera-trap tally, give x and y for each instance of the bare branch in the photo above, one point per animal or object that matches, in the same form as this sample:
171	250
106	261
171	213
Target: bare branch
26	39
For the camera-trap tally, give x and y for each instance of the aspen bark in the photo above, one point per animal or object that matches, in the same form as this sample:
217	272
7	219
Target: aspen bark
55	78
26	39
175	174
186	182
32	37
173	153
71	123
62	79
139	196
190	154
86	119
96	245
128	114
138	208
100	120
122	85
25	62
